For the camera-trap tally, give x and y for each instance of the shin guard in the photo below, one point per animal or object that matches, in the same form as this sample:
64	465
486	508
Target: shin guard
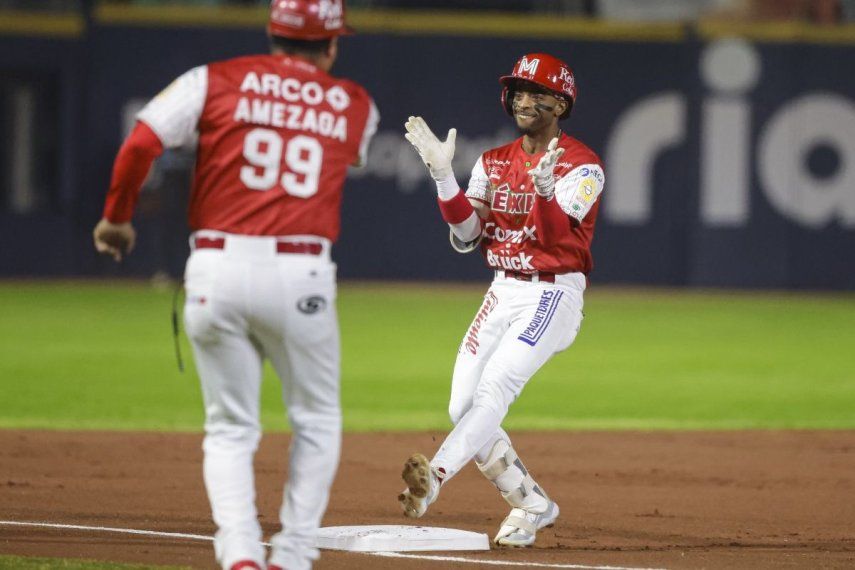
505	470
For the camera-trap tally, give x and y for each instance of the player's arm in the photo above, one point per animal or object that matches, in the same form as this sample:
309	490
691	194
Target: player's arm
551	222
367	134
479	194
563	201
455	207
168	121
114	235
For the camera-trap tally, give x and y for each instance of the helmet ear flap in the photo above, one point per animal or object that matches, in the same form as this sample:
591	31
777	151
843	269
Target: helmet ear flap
507	101
566	113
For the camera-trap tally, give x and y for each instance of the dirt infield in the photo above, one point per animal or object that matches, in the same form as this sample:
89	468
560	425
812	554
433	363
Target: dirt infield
666	500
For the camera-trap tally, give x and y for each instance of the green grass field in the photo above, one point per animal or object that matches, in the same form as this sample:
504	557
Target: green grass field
95	355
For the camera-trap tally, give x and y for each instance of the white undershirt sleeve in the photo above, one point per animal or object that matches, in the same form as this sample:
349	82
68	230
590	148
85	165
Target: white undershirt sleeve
174	113
577	190
368	134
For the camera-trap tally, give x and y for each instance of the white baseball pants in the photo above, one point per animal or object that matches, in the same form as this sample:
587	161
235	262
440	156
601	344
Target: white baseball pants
246	302
518	328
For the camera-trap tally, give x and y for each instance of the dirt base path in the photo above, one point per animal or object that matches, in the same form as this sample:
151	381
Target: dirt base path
641	500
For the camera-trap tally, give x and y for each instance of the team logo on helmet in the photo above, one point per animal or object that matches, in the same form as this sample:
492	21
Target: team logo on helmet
527	67
283	13
569	82
332	13
307	19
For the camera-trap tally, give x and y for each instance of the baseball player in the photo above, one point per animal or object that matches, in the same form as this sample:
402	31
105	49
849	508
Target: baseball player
276	134
530	207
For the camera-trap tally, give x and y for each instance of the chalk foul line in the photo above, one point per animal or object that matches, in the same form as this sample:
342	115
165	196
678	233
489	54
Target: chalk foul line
501	562
426	557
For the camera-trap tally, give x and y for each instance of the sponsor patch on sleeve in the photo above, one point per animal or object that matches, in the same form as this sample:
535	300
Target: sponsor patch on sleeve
579	189
587	190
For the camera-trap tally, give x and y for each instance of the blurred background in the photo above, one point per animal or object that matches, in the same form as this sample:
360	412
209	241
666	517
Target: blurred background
727	128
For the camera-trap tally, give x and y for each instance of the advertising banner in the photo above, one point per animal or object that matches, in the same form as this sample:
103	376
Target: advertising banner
728	162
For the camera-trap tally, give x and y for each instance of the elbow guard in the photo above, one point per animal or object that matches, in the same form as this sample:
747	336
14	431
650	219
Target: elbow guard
461	246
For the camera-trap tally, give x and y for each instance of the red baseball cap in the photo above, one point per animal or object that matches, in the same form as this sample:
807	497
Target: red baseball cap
544	70
308	19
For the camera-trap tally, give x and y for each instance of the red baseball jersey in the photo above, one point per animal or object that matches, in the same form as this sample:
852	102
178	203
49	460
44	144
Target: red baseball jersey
510	241
275	138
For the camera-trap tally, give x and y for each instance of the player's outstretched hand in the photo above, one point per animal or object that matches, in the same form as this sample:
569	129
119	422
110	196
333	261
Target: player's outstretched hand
542	175
435	154
114	239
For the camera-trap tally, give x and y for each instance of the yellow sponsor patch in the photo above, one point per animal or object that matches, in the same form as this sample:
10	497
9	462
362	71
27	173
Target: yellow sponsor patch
588	189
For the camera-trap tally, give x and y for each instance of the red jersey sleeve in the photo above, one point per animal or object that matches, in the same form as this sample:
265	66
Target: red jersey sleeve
551	221
129	172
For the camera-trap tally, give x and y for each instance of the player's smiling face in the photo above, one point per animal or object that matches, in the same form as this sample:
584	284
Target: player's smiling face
535	108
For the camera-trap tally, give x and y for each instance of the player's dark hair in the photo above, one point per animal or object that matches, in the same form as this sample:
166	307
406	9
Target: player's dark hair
300	47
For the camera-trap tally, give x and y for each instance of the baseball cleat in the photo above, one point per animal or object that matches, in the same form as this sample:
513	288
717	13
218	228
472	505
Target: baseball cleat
521	526
422	486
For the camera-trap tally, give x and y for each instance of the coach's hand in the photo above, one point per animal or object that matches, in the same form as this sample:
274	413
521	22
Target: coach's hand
542	175
435	154
114	239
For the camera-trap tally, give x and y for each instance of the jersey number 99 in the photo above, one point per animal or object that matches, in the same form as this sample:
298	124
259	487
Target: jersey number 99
302	157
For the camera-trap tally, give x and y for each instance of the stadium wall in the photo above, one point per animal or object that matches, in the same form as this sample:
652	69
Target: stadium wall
730	152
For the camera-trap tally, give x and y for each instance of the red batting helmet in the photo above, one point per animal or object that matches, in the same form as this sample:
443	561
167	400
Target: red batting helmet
544	70
307	19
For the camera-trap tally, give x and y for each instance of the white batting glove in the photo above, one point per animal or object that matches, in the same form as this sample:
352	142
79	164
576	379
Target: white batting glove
435	154
542	175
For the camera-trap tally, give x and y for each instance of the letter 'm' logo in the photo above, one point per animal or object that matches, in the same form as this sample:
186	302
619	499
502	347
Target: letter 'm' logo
526	66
